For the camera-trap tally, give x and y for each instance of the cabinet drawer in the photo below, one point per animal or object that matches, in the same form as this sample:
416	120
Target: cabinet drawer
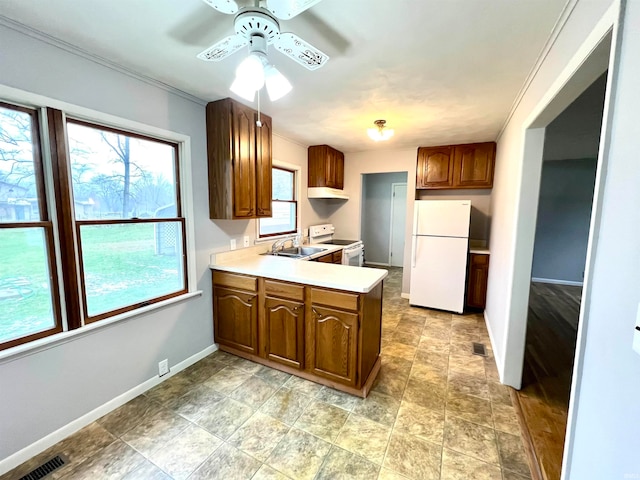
235	280
326	258
346	301
283	289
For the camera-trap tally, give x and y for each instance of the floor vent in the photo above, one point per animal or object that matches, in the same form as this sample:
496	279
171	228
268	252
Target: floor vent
479	349
45	469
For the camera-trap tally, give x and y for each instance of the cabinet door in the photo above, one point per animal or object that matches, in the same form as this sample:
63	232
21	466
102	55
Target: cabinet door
244	169
263	167
284	331
337	257
333	344
339	169
477	283
317	157
235	315
474	165
328	258
435	168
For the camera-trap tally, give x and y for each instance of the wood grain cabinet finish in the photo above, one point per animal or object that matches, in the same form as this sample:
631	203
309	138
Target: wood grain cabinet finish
434	168
326	167
477	280
456	166
239	159
333	353
328	336
473	165
284	331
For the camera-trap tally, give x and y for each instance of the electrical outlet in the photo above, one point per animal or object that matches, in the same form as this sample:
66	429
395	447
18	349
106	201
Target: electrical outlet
246	240
163	367
232	243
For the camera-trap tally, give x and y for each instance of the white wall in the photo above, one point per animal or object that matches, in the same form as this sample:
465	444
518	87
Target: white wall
604	411
347	216
44	391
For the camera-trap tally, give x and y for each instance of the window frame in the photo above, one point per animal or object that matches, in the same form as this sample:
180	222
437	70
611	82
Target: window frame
50	115
295	187
44	223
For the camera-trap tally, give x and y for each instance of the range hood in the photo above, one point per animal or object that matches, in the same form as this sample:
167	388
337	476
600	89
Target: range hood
326	192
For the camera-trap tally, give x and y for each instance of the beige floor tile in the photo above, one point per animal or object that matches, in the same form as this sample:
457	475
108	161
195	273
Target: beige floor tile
286	405
429	373
410	338
147	471
225	417
322	420
456	466
505	419
259	436
461	383
254	392
346	465
379	407
507	475
499	394
202	370
155	431
428	394
185	452
387	474
338	398
468	407
227	463
245	365
512	455
436	361
196	402
413	457
364	437
227	380
436	332
112	462
299	455
273	377
400	350
305	387
434	345
222	357
268	473
471	439
469	365
170	389
421	422
124	418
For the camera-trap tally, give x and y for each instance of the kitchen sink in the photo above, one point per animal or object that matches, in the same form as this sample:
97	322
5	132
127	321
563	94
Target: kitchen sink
301	251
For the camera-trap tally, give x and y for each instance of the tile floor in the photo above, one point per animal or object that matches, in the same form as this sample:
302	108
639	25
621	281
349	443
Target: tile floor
436	412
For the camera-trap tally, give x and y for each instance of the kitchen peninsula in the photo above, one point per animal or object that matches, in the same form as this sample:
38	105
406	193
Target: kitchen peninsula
316	320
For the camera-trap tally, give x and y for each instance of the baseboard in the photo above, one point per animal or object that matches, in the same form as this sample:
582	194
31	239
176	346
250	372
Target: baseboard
41	445
556	282
378	264
496	352
405	295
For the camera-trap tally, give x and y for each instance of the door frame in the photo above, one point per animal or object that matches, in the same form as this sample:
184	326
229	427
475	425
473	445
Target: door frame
599	52
393	186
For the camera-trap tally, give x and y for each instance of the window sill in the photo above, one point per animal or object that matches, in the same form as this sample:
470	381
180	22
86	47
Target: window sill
259	240
51	341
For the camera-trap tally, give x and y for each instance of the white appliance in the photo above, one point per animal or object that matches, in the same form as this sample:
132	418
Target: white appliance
353	251
439	253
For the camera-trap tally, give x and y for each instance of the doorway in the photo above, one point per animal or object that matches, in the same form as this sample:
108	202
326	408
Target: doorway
565	201
383	218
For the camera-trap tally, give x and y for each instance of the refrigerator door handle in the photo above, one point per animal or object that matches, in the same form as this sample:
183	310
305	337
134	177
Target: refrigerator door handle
413	250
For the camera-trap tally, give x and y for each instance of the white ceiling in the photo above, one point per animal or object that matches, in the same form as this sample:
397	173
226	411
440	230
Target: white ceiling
439	71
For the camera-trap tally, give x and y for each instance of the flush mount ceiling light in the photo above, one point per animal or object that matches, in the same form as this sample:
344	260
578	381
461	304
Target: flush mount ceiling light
257	27
380	132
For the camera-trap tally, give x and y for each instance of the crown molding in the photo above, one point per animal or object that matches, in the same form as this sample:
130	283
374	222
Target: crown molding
75	50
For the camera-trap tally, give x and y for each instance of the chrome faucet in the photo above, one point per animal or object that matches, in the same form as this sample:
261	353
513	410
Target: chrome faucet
279	244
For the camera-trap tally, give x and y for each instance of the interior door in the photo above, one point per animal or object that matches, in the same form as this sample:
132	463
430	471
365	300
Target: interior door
398	217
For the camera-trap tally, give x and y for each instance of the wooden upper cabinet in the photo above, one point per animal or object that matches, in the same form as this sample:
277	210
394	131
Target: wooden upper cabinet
239	157
326	167
456	166
473	165
263	167
434	168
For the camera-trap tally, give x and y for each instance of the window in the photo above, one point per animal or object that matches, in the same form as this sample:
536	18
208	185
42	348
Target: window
120	228
284	205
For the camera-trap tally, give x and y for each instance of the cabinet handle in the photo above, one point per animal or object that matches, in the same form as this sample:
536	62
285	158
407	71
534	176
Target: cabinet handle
315	312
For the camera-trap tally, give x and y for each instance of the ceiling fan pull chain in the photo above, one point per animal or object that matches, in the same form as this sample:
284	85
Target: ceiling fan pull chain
259	122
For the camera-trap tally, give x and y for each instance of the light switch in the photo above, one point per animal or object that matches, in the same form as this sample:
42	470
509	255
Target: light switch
246	241
636	332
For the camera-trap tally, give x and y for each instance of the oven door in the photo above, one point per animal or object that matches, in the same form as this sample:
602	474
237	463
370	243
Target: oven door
353	256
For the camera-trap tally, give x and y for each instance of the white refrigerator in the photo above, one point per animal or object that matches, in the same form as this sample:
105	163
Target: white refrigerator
440	247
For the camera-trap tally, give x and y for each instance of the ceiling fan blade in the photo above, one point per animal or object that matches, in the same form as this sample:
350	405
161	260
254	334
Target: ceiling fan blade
302	52
286	9
222	49
224	6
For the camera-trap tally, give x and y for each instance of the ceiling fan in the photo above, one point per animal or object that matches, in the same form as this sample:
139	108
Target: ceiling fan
257	27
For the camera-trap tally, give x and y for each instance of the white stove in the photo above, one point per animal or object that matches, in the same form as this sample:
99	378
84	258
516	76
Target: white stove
353	251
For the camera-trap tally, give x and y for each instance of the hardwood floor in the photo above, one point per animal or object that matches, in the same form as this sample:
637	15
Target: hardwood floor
550	350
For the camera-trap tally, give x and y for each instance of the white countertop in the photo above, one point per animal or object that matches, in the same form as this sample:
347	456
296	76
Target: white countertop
479	250
329	275
479	247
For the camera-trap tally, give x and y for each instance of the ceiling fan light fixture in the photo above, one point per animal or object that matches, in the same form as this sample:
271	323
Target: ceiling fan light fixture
380	132
251	71
277	84
243	90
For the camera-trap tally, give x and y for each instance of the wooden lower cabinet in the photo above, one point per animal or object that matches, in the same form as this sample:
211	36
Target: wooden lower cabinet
327	336
284	331
477	280
334	334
